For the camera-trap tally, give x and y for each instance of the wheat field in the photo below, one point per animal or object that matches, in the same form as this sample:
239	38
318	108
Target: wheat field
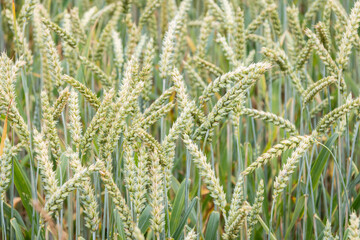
179	119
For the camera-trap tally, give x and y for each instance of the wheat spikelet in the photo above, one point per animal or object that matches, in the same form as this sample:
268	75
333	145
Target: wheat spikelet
271	118
60	103
88	94
156	196
275	151
49	126
256	207
61	32
349	36
354	229
211	181
290	166
316	87
75	120
97	120
103	77
208	66
295	28
45	165
88	199
335	114
232	231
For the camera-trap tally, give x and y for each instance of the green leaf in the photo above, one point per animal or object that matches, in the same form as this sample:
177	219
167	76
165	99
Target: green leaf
22	185
212	226
321	160
16	226
17	216
144	219
298	209
62	168
183	221
178	207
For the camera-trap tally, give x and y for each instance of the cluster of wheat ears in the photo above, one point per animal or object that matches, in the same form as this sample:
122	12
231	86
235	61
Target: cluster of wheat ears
168	119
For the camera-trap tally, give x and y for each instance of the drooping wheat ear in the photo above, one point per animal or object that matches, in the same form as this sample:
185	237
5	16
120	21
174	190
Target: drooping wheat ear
55	201
280	58
212	68
228	52
240	41
182	124
118	50
205	31
322	31
271	118
6	165
59	31
228	102
75	120
304	55
228	78
335	114
49	126
295	28
233	229
45	165
76	26
142	181
275	151
148	12
87	196
254	25
354	228
105	36
191	235
194	76
237	201
256	207
146	73
26	12
86	92
349	36
97	121
118	200
312	10
60	103
316	87
281	180
157	195
208	174
103	77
